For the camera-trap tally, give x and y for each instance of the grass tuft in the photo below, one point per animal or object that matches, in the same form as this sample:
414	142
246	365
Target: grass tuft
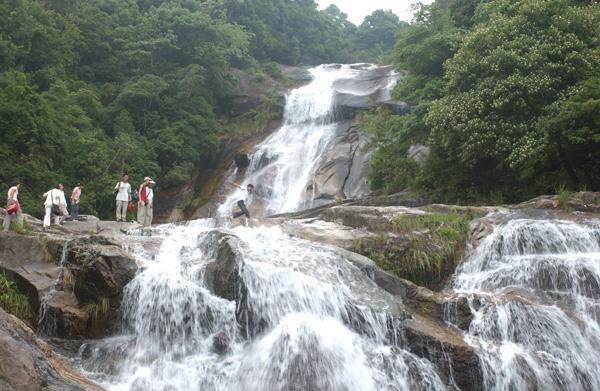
564	197
437	242
13	301
97	311
22	229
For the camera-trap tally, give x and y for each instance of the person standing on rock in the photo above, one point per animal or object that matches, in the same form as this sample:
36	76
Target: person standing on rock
52	206
64	212
244	200
13	209
75	197
122	192
146	202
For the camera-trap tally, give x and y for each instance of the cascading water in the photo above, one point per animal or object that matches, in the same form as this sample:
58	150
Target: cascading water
535	286
309	318
47	323
321	323
284	163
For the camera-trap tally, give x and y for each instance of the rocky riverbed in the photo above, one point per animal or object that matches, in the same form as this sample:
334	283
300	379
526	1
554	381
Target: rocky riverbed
74	276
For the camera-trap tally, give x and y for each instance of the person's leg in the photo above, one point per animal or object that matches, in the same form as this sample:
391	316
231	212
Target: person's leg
74	211
7	221
123	207
244	209
64	213
118	209
240	205
141	213
47	216
146	216
19	216
149	215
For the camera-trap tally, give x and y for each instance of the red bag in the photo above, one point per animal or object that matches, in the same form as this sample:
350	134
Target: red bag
131	206
13	207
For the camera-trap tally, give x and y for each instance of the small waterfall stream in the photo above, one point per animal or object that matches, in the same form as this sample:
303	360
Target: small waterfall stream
536	290
46	318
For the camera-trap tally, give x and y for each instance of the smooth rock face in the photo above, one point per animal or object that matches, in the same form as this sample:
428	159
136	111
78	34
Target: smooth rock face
343	170
370	88
28	364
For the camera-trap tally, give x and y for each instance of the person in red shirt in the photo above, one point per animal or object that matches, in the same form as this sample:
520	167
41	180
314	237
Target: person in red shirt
12	197
75	198
146	202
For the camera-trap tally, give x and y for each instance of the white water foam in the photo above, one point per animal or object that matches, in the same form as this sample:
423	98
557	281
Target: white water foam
536	320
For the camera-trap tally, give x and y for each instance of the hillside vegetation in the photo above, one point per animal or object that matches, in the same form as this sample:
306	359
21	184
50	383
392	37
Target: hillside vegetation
505	92
93	89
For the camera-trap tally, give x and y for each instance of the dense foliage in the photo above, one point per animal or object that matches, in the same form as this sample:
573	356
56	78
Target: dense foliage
92	89
505	92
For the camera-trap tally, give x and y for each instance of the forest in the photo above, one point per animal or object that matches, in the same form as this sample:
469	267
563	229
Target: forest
93	89
506	94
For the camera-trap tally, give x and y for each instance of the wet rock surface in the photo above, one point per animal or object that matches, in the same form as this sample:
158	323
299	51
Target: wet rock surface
68	270
29	364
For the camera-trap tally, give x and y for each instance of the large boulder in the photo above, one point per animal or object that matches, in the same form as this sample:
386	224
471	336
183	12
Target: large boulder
425	329
223	277
29	364
445	347
362	91
74	283
343	170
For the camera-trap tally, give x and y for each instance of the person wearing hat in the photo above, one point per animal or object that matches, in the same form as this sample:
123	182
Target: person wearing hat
146	202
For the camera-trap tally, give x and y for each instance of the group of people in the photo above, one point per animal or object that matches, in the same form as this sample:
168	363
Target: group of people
56	208
55	204
126	199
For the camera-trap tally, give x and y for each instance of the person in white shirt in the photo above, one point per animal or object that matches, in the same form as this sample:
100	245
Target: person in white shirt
52	206
146	202
122	192
13	197
245	199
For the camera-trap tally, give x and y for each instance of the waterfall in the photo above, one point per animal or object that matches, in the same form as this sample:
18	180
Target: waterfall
296	315
537	313
283	165
324	325
305	316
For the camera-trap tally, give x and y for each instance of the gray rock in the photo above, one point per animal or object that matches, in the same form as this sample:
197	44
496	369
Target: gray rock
222	276
397	107
343	169
369	89
418	153
29	364
95	269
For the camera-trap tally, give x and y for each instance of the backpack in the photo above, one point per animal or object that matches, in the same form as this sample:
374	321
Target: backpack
116	190
135	196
